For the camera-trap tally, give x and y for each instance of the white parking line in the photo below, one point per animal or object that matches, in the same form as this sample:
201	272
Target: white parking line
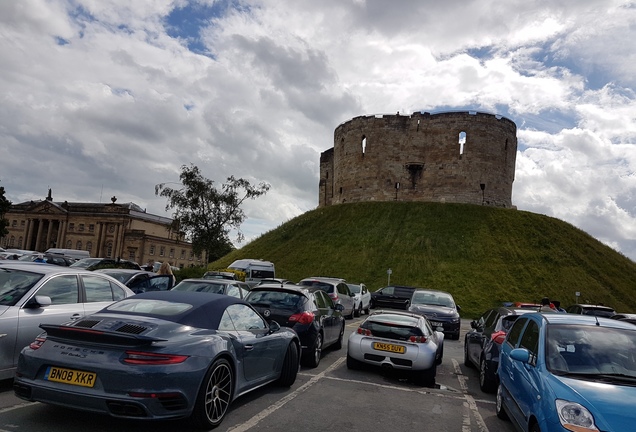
18	406
470	402
266	412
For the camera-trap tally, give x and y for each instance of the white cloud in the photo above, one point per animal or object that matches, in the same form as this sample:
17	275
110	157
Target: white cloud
103	98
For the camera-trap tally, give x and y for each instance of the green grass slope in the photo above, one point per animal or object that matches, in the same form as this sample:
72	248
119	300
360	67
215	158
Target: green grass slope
482	255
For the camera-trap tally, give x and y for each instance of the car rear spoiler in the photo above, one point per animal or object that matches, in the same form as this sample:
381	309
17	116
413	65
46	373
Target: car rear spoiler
66	332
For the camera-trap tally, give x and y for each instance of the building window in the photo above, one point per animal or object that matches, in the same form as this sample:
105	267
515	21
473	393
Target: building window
14	223
182	253
162	250
20	242
89	246
78	245
111	228
11	241
171	252
109	249
81	227
71	226
152	249
462	142
69	244
22	222
91	228
191	255
131	255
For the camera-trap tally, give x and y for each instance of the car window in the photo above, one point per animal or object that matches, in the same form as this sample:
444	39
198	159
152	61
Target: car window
97	289
329	302
515	332
387	290
491	318
343	289
61	289
233	291
364	289
14	284
319	300
530	340
245	318
404	292
226	323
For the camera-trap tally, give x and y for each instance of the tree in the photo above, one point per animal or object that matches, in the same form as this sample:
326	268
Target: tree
5	206
205	214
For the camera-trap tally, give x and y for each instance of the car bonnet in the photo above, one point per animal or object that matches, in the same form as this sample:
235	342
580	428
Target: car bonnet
611	405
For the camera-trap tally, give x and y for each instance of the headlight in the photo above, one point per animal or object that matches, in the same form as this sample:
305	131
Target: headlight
574	416
454	320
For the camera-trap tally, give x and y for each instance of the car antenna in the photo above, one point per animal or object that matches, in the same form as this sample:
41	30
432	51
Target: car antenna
597	323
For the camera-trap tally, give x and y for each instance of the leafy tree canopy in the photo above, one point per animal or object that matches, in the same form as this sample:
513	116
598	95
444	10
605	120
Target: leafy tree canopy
5	206
206	214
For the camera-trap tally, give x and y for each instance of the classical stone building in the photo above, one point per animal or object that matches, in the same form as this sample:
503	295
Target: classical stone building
105	230
462	157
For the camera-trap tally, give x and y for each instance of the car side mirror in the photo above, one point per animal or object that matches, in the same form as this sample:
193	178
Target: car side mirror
273	326
38	301
339	307
520	354
458	307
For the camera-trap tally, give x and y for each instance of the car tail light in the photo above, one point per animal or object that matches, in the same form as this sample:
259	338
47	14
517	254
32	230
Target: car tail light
37	343
146	358
302	318
418	339
333	295
499	337
364	332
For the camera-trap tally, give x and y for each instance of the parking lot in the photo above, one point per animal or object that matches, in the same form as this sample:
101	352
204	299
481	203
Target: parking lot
327	398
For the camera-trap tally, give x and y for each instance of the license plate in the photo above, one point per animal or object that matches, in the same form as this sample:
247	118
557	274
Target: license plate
389	347
437	324
70	376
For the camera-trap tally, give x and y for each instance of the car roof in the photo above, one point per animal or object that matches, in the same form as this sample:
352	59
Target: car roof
568	318
393	316
593	306
43	268
206	311
212	281
281	288
124	271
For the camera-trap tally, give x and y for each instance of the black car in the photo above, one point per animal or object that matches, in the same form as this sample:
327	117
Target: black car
482	344
440	309
140	280
48	258
102	263
393	296
312	314
590	309
627	317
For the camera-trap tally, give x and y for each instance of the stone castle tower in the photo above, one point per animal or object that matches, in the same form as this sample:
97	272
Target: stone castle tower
461	157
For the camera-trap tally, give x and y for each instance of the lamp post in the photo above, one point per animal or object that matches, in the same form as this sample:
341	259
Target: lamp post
483	188
388	273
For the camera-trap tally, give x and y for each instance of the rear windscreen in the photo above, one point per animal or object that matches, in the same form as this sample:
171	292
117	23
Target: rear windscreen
328	288
276	299
391	331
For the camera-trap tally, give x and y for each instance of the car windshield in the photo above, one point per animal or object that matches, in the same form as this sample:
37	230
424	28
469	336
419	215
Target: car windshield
120	276
85	262
147	306
599	312
388	329
328	288
355	289
434	299
276	299
591	350
200	286
14	284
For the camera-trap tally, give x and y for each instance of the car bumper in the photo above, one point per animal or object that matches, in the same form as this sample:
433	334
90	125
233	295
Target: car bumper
415	357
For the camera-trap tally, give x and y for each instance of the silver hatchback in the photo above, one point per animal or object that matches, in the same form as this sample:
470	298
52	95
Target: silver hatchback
336	288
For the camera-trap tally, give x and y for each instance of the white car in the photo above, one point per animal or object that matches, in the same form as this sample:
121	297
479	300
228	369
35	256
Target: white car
397	340
361	298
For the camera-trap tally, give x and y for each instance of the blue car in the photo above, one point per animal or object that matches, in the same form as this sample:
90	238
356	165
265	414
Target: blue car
565	372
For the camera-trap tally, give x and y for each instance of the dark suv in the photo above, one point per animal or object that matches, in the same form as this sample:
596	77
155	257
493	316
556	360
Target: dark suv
312	314
394	296
482	344
104	263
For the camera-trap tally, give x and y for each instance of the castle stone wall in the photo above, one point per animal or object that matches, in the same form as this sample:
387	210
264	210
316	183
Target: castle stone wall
462	157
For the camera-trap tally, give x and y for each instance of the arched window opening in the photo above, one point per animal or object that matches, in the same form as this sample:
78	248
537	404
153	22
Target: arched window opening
20	239
364	145
462	142
69	244
89	246
109	249
78	245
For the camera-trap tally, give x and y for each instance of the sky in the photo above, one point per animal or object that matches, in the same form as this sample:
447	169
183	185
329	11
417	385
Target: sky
103	98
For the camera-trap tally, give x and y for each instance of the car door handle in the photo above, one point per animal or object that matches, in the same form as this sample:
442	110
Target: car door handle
75	317
248	347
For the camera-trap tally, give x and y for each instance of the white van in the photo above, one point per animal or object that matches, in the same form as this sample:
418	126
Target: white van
70	253
255	270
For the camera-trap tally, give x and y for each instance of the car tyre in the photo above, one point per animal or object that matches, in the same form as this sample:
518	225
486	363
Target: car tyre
426	377
353	364
366	311
313	357
485	383
338	344
358	311
438	360
499	409
467	361
290	366
535	428
215	395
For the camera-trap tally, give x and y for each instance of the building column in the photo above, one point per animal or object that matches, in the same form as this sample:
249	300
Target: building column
38	237
29	234
118	243
49	231
100	239
60	234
